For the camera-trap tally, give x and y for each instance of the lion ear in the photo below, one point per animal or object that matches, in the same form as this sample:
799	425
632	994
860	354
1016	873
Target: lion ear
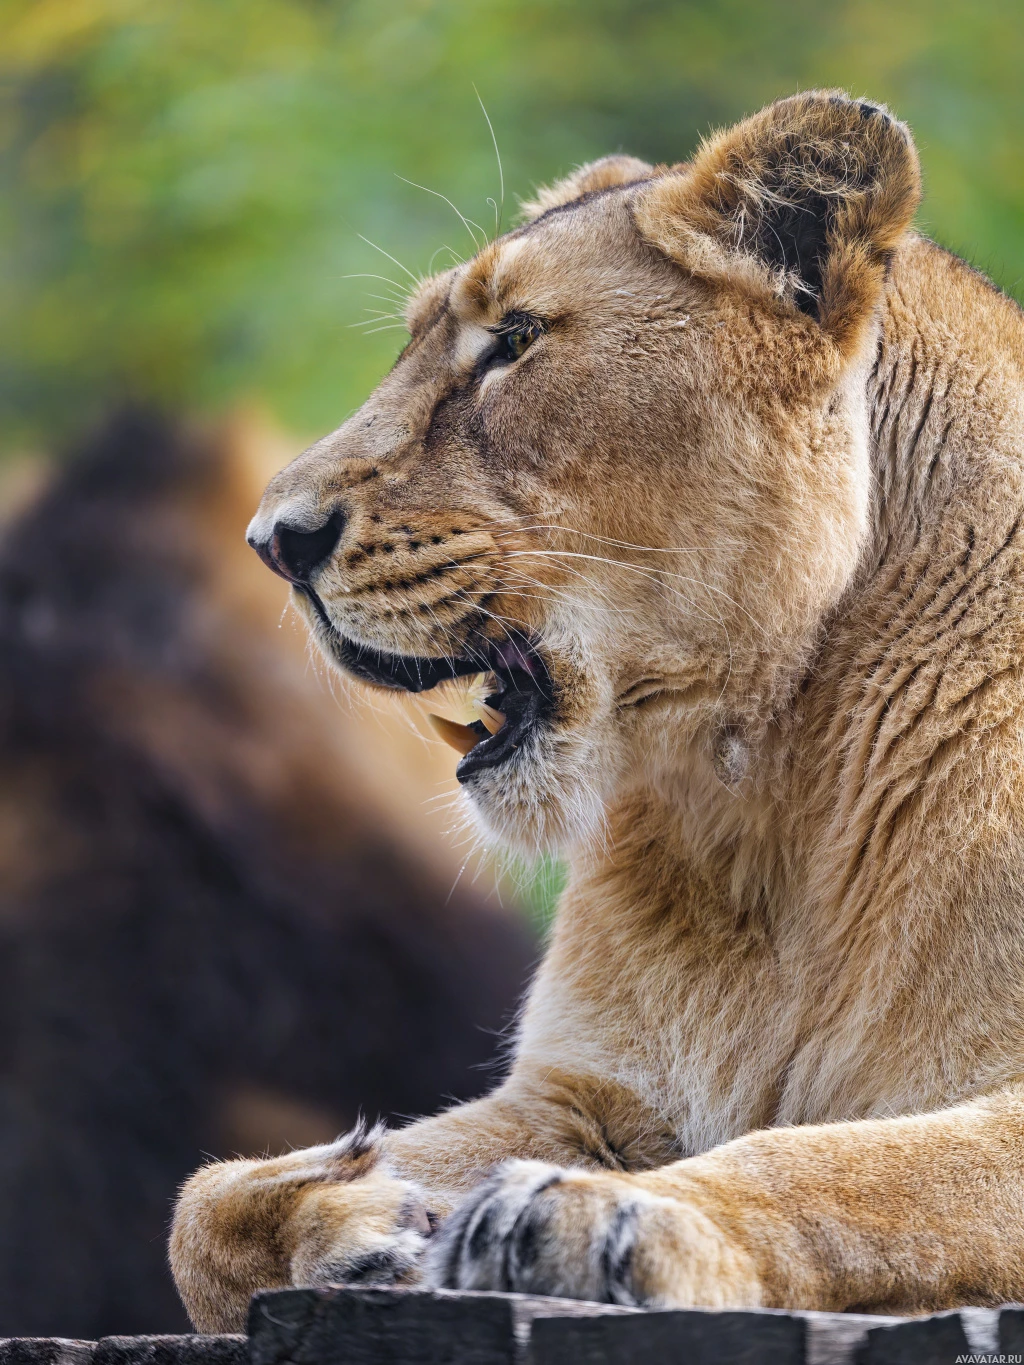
815	192
596	175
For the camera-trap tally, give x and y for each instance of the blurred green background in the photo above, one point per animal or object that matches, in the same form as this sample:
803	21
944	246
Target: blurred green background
185	183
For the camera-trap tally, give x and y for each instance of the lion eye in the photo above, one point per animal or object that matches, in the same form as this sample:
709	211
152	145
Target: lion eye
515	335
517	342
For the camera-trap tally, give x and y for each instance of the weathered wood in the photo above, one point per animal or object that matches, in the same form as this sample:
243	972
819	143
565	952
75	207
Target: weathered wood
343	1326
936	1340
834	1338
45	1351
150	1350
1011	1333
167	1350
381	1327
670	1338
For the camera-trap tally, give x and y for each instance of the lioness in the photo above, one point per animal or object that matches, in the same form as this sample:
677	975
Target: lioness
718	470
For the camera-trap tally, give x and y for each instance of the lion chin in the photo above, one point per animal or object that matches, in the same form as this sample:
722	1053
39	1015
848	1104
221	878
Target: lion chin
535	766
546	799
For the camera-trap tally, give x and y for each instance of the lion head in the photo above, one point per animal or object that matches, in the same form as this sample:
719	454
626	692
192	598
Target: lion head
620	467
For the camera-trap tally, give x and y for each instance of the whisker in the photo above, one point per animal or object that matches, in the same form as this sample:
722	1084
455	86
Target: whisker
438	195
504	529
602	540
499	212
655	575
652	575
558	594
507	626
364	275
459	260
391	258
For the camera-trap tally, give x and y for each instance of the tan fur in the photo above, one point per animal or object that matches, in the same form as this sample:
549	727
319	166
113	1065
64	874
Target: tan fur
605	174
757	490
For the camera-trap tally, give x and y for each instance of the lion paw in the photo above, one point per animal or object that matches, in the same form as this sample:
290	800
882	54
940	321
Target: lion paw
372	1232
537	1229
534	1228
327	1215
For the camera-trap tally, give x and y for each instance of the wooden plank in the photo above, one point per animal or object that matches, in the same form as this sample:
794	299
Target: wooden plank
343	1326
696	1337
936	1340
45	1351
194	1349
1011	1334
381	1327
835	1338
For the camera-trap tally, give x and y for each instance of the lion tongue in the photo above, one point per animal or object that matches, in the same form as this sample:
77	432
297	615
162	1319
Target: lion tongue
460	737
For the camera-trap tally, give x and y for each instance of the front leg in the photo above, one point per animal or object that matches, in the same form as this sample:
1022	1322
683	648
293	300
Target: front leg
909	1214
532	1228
360	1210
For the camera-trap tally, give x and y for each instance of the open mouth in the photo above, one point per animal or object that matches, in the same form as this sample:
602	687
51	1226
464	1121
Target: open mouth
519	696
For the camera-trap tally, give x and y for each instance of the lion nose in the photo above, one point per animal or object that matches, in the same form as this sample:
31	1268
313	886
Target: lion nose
296	554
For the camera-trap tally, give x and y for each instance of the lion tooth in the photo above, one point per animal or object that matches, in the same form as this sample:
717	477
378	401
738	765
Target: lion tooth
460	737
491	719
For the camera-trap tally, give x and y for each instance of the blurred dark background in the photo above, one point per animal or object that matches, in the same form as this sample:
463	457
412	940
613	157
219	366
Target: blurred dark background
227	921
226	908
